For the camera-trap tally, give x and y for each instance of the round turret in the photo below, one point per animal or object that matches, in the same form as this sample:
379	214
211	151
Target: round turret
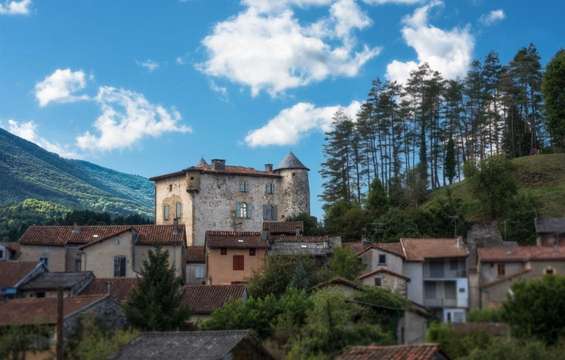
295	187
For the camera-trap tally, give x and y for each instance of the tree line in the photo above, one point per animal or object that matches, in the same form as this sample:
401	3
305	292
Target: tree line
422	133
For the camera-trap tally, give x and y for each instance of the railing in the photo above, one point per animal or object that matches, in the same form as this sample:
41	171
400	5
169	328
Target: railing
449	274
440	302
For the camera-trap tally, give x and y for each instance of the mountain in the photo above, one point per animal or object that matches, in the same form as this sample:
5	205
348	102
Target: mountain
29	172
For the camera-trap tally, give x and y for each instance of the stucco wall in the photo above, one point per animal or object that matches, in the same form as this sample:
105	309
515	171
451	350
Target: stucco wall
415	289
393	263
220	267
414	326
56	255
489	271
99	258
169	197
141	252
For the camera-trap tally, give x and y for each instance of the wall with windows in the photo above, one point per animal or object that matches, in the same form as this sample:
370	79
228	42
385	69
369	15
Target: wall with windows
176	257
169	194
493	271
228	266
54	255
103	257
386	281
377	258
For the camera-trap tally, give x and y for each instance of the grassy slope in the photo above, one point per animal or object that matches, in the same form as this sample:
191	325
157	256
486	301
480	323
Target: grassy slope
541	176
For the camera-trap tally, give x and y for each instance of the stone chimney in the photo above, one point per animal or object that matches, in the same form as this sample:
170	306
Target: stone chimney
219	164
269	167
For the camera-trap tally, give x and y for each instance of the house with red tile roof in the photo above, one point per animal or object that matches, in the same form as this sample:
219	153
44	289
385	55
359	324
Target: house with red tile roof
15	274
225	197
396	352
195	265
108	251
203	300
500	267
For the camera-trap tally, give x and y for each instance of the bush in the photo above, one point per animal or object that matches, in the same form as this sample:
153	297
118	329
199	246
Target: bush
485	315
512	349
456	345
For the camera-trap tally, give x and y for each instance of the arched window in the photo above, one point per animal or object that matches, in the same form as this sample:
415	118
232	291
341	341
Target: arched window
179	210
243	210
166	212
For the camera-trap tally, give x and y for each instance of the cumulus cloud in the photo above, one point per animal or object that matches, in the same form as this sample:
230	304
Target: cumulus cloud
149	65
446	51
28	131
400	2
61	86
289	125
265	48
492	17
15	7
126	118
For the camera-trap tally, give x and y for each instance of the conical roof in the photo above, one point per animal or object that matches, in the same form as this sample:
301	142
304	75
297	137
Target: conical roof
291	162
202	163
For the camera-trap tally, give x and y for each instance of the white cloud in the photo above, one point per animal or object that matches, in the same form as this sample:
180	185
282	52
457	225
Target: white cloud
447	51
492	17
400	2
28	131
289	125
180	60
126	118
218	89
60	86
265	47
149	65
15	7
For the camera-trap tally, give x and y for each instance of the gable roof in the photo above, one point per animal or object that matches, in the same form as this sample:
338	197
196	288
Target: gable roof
282	227
204	299
521	253
430	248
86	235
394	248
35	311
196	345
234	239
338	280
550	225
357	247
290	161
55	280
383	270
196	254
396	352
117	288
12	272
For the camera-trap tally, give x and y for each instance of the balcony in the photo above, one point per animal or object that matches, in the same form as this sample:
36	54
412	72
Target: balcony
440	302
445	269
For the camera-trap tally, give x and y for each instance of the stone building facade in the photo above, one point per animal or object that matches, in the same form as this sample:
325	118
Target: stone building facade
223	197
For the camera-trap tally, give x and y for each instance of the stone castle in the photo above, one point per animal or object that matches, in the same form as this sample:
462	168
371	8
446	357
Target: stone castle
224	197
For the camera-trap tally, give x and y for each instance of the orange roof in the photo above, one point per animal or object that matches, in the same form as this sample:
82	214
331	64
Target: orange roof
83	235
204	299
118	288
13	271
393	248
521	253
429	248
30	311
234	239
397	352
280	227
383	270
196	254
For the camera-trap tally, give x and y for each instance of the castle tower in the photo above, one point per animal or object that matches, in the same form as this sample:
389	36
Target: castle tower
295	187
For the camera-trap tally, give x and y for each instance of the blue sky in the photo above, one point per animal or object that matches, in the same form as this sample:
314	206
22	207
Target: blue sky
149	87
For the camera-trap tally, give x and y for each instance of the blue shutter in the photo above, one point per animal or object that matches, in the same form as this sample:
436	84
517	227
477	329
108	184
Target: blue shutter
237	209
249	210
274	212
265	217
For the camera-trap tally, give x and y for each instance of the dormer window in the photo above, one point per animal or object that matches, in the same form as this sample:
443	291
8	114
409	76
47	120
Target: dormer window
243	187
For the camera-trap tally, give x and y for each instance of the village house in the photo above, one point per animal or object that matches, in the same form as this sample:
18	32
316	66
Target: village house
195	265
194	345
405	352
500	267
47	284
9	251
203	300
550	231
225	197
233	257
14	274
432	272
117	288
107	251
288	239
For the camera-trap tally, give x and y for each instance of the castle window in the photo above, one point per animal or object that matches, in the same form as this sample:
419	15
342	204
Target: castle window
242	210
178	210
238	262
166	212
251	252
243	186
119	266
269	188
269	212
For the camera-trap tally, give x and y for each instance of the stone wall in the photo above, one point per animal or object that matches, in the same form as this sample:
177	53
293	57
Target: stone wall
295	193
109	314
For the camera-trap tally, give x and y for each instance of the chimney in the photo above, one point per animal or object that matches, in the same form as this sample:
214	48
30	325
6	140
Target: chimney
219	164
459	242
269	167
76	229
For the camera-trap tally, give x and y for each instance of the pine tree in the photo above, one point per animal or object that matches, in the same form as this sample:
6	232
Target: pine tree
450	161
553	87
156	303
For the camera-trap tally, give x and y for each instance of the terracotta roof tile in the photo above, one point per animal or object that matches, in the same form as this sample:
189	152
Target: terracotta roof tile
383	270
228	170
119	287
338	281
29	311
279	227
13	271
397	352
394	248
234	239
356	246
521	253
83	235
204	299
429	248
196	254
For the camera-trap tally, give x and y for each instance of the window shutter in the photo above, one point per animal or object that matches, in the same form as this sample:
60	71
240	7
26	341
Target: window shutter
116	266
249	210
265	217
237	209
274	213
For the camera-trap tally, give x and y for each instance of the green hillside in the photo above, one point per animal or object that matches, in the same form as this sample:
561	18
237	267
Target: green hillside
541	176
33	180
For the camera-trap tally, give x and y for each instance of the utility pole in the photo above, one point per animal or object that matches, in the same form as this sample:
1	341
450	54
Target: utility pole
60	346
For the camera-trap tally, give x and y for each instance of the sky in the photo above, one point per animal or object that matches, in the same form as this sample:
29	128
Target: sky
149	87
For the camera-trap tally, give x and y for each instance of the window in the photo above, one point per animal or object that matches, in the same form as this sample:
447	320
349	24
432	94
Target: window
269	188
251	252
501	269
199	271
223	251
44	260
382	259
549	271
119	266
243	187
170	187
242	210
436	269
178	210
449	288
166	212
40	294
78	264
378	281
238	262
453	264
116	241
1	253
269	212
430	290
